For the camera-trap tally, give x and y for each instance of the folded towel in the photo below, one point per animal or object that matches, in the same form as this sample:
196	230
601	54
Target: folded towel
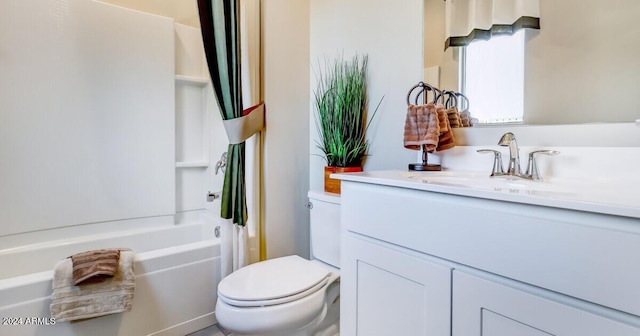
113	295
421	127
446	140
94	265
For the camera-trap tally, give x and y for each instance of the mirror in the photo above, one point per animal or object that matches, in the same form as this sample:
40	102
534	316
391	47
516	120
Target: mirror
582	66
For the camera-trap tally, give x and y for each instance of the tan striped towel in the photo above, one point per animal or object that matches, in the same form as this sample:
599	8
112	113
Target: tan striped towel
113	295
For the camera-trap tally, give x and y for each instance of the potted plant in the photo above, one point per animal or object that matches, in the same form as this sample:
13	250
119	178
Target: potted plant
341	117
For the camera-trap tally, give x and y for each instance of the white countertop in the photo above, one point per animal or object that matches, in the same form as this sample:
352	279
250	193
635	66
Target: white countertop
599	196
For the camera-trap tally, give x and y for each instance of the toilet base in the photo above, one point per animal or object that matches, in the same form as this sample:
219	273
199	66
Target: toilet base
326	324
330	326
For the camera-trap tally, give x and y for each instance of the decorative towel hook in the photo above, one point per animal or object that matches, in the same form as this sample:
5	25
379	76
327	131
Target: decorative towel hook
452	100
423	89
464	102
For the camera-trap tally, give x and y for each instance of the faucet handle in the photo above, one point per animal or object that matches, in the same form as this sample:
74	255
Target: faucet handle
497	169
532	167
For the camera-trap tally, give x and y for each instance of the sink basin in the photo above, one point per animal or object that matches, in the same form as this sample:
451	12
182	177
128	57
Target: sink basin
508	184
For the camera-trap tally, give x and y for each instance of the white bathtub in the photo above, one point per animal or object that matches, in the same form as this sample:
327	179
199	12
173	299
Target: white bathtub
177	271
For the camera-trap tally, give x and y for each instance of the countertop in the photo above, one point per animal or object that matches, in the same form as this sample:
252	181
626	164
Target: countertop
605	196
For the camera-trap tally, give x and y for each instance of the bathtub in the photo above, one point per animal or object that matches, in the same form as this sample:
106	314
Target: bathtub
177	270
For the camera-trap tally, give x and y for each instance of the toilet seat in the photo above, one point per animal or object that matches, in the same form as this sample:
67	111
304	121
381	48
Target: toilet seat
273	282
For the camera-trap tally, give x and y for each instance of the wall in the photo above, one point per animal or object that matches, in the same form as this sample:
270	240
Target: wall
87	129
182	11
286	63
391	33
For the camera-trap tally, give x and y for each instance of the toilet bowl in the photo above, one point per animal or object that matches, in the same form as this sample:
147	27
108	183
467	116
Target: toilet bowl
294	297
289	296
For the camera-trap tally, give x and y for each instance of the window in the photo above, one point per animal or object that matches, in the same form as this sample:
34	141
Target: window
493	78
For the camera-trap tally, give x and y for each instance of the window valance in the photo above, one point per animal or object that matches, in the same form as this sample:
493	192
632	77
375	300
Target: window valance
469	20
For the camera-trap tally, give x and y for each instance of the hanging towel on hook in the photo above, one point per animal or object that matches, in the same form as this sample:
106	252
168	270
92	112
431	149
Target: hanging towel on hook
421	127
454	117
465	118
446	140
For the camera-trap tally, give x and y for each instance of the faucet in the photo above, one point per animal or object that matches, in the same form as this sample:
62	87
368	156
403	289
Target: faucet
509	140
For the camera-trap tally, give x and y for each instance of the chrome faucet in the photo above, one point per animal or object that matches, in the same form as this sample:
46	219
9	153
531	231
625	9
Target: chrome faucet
509	140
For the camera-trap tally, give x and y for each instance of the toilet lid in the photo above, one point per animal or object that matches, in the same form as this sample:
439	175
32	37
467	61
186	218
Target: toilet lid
273	280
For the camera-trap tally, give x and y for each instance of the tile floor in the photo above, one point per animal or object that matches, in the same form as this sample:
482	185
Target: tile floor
213	330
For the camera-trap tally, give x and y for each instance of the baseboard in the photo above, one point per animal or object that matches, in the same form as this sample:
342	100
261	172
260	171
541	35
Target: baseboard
188	327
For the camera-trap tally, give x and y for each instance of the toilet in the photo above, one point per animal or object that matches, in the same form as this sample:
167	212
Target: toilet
289	296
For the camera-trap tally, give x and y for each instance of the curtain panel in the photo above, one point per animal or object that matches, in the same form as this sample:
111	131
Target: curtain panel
220	25
469	20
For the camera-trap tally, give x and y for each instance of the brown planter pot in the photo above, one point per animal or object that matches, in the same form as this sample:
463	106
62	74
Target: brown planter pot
333	185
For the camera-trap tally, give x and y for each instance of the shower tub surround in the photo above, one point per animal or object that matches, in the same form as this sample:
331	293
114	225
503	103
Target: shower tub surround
176	269
112	154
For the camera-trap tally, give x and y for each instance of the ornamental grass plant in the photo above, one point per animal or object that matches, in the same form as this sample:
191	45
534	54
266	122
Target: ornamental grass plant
341	111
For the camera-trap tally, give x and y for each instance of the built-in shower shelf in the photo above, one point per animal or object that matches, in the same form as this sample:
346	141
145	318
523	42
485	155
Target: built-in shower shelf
192	164
199	81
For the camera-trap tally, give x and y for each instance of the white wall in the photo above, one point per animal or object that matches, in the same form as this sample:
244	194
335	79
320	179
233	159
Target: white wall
391	33
285	32
182	11
87	122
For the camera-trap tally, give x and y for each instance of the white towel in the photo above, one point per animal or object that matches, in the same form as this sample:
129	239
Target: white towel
114	295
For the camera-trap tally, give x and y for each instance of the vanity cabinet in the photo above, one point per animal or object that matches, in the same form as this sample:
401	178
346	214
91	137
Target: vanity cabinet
425	262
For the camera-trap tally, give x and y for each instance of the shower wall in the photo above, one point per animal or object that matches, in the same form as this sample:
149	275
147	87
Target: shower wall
87	123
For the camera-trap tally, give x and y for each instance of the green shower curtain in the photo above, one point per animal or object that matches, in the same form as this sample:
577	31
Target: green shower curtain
220	22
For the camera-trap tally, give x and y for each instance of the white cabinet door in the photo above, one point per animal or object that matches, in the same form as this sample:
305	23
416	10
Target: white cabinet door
483	307
388	292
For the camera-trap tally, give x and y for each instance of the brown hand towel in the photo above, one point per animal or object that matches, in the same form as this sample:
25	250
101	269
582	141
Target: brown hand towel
443	119
465	118
421	127
454	117
94	266
446	140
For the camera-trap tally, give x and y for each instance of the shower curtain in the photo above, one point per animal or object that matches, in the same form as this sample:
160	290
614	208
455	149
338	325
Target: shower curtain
231	35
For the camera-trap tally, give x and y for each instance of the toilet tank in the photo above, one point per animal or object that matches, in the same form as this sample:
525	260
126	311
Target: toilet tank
325	227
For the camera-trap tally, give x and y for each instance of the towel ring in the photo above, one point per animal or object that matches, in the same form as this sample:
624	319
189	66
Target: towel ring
464	102
451	99
438	97
423	88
